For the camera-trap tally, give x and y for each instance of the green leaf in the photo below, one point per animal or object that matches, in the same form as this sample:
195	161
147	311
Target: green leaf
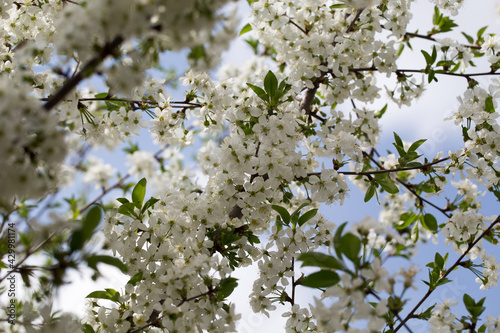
279	223
109	294
101	95
380	113
139	192
93	260
475	309
306	217
413	165
226	287
77	240
407	219
337	239
414	146
87	329
246	29
480	33
285	215
197	52
399	145
136	278
439	261
321	279
429	222
414	233
295	215
122	200
388	186
369	192
426	315
83	234
91	220
350	247
428	58
150	203
488	105
270	84
437	16
319	259
446	24
260	92
127	209
469	38
337	6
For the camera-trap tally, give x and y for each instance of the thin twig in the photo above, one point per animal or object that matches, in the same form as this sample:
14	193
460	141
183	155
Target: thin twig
456	264
28	254
298	26
429	37
408	187
394	312
89	68
422	71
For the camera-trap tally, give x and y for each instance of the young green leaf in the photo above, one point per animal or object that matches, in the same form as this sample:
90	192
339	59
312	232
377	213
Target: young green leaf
138	193
93	260
429	222
109	294
226	287
150	203
414	146
246	29
136	278
319	259
101	95
406	219
414	233
388	186
285	215
270	84
321	279
488	105
350	246
337	238
369	192
306	217
127	209
87	329
260	92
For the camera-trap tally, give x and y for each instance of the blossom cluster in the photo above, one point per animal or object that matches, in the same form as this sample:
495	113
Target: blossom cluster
275	139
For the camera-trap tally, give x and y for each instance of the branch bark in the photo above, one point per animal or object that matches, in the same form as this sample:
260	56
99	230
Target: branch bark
89	68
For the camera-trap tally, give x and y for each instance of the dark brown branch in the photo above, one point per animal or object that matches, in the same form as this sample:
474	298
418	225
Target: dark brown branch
429	37
456	264
353	22
87	70
157	320
408	187
394	312
298	26
368	173
183	103
464	75
28	254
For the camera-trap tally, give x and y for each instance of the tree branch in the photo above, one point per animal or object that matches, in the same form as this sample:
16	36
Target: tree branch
28	254
429	37
422	71
456	264
408	187
89	68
